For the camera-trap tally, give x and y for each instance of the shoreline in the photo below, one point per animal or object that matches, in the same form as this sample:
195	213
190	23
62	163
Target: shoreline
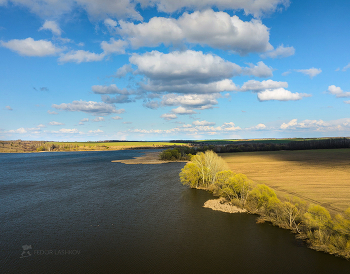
149	158
223	206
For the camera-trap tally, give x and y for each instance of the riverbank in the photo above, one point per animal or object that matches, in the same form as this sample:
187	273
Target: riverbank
149	158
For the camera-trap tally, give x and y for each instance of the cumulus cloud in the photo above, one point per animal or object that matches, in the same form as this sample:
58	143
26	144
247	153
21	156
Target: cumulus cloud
203	123
318	125
312	72
338	92
8	108
91	107
215	29
103	9
257	127
189	129
183	67
123	71
98	119
254	7
19	130
183	111
96	9
95	131
82	121
112	89
79	56
192	101
213	87
118	99
259	70
280	94
168	116
52	26
114	46
280	52
67	131
152	104
54	123
30	47
117	118
253	85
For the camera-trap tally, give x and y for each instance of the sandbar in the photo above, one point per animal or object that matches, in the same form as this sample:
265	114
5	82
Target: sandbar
221	205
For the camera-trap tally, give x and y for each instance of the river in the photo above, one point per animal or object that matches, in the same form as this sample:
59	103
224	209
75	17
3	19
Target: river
77	212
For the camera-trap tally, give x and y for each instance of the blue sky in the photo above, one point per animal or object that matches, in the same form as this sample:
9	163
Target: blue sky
78	70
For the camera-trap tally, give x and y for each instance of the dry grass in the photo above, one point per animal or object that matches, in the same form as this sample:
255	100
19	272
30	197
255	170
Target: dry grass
318	176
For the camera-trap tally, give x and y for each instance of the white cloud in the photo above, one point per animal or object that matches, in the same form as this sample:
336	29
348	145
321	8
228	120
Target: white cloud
67	130
318	125
102	9
254	85
280	94
52	26
168	116
114	46
197	88
203	123
91	107
40	126
95	131
192	129
52	112
257	127
312	72
81	122
291	123
79	56
19	130
254	7
260	70
280	52
338	92
182	111
98	119
183	67
54	123
96	9
192	101
215	29
110	23
117	118
346	67
124	70
30	47
112	89
8	108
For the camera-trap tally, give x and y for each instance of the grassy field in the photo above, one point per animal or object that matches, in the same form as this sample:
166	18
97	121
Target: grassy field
318	176
35	146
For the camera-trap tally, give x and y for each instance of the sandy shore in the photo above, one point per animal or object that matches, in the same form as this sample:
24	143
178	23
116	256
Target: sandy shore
150	158
221	205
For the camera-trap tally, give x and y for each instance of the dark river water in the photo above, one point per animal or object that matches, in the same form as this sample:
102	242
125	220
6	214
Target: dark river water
77	212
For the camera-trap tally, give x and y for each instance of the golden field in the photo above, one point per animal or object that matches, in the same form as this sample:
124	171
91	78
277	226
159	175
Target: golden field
317	176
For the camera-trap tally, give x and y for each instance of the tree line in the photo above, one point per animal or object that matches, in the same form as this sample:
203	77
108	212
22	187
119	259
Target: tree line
311	223
330	143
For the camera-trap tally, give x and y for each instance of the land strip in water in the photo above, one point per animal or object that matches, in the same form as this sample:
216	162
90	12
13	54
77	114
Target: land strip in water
317	176
147	158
